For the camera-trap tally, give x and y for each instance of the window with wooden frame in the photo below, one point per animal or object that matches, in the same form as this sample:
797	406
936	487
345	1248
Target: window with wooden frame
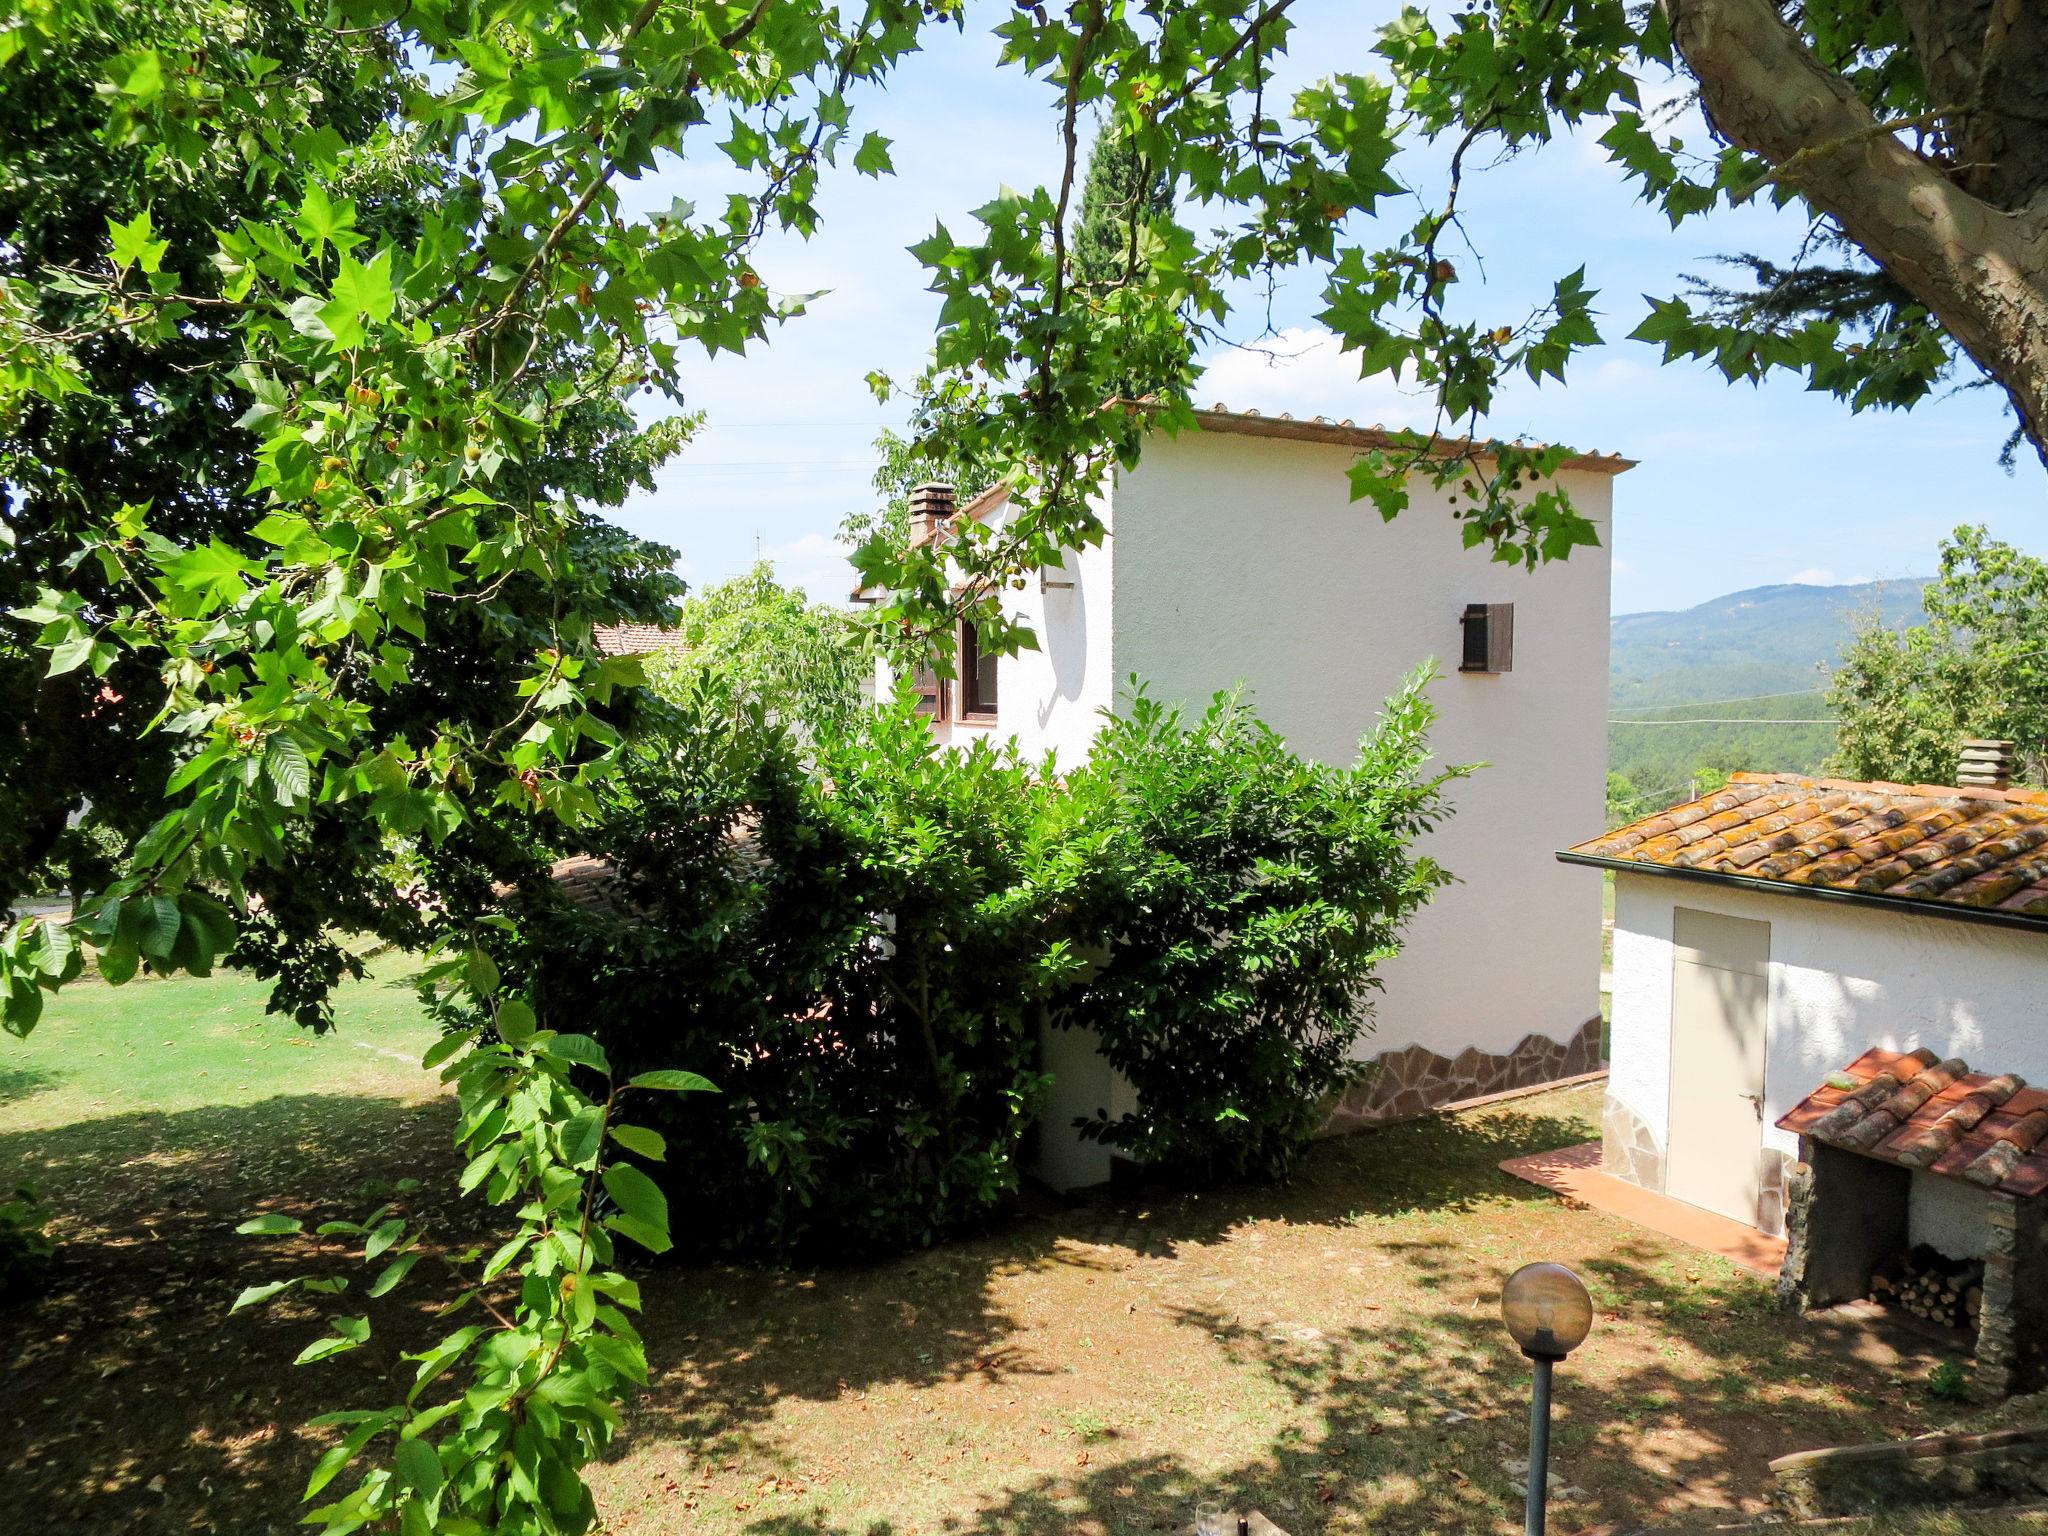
1489	637
978	674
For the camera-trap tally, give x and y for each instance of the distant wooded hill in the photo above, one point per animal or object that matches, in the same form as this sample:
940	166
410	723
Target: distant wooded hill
1754	655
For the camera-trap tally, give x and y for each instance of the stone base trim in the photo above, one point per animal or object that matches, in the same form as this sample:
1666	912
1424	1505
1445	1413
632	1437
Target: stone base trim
1415	1080
1773	1176
1628	1148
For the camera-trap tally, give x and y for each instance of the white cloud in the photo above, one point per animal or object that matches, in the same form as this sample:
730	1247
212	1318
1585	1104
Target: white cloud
816	564
1304	372
1813	576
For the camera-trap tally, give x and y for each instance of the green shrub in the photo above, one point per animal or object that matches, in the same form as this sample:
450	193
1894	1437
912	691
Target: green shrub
1241	897
25	1247
1948	1380
851	947
859	937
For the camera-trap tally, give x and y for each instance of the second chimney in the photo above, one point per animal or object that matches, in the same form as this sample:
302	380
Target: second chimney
931	505
1985	765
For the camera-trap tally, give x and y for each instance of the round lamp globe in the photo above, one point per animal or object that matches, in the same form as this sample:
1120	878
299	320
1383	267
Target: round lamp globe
1547	1310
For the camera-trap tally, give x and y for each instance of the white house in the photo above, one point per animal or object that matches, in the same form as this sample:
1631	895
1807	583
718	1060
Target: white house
1770	937
1235	555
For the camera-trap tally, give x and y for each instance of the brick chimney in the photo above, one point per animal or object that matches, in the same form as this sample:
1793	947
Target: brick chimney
1985	765
931	506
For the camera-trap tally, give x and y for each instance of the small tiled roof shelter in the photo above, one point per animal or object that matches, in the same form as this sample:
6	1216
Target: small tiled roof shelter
1916	1111
1876	1141
1784	925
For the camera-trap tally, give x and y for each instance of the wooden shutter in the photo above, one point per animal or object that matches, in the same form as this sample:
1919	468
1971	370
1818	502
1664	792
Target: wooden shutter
1489	638
931	692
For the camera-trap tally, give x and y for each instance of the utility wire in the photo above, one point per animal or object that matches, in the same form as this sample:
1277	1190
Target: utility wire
1728	720
1748	698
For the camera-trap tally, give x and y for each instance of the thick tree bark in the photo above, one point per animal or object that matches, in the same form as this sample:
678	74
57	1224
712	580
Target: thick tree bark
1984	62
1980	268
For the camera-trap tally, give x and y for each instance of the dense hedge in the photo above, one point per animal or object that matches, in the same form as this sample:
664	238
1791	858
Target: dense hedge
1242	897
858	940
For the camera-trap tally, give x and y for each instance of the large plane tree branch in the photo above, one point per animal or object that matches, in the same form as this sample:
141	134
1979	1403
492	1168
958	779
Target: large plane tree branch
1979	267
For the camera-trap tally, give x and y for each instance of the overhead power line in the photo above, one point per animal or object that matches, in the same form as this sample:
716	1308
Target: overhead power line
1724	720
1748	698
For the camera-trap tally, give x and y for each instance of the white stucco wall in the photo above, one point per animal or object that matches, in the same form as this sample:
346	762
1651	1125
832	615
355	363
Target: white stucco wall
1238	559
1051	698
1639	1038
1843	978
1243	559
1948	1215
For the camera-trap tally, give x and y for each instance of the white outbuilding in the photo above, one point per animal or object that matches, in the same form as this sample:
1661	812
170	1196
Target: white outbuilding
1235	555
1788	943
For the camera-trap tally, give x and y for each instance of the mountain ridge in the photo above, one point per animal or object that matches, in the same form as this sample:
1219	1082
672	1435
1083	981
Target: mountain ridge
1759	654
1758	641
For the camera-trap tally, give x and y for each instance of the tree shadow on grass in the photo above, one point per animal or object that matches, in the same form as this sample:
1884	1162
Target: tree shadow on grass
1407	1418
134	1402
728	1344
22	1082
127	1370
1416	1425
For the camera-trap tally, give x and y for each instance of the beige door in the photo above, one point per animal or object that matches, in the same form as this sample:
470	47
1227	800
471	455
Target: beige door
1719	992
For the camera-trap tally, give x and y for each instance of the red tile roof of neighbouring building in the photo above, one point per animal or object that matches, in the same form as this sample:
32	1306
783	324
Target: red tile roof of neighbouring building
1975	853
637	639
1917	1111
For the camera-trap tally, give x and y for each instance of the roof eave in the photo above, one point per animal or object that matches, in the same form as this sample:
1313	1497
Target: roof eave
1349	435
1988	916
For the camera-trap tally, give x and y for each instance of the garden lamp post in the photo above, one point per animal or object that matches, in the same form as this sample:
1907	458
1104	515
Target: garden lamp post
1548	1314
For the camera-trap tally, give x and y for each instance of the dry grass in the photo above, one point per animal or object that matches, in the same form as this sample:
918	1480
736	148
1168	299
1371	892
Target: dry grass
1327	1352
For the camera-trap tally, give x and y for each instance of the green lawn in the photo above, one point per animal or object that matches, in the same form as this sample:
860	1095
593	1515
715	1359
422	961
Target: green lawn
169	1046
1328	1352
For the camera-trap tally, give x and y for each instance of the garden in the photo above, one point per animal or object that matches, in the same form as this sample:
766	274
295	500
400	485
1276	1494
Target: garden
330	337
1329	1350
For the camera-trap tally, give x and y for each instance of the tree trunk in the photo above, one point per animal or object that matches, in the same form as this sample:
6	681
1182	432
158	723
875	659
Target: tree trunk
1981	270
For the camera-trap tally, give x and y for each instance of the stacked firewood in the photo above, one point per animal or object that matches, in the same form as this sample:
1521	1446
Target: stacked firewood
1931	1285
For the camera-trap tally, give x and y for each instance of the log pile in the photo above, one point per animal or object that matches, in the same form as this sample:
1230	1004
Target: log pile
1931	1285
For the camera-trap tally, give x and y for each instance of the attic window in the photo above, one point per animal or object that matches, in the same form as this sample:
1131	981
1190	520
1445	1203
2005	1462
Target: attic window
1489	637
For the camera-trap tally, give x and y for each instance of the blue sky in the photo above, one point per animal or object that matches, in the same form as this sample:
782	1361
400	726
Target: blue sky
1737	486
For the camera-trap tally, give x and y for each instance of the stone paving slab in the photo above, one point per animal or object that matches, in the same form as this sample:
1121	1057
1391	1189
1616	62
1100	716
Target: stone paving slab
1575	1172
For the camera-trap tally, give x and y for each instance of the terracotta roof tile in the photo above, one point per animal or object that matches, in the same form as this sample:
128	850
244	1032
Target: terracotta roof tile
592	882
1938	847
636	639
1920	1113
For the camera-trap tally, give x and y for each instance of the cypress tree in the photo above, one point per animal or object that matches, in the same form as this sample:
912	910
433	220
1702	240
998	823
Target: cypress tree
1118	187
1122	192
